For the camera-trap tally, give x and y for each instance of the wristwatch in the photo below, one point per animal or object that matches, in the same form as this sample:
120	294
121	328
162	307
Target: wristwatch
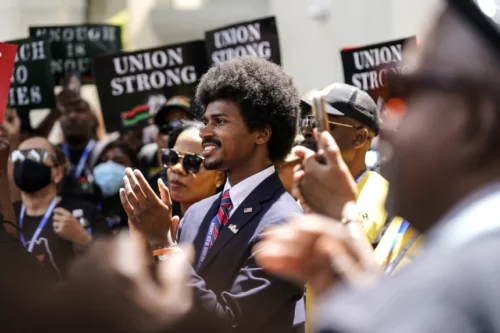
162	254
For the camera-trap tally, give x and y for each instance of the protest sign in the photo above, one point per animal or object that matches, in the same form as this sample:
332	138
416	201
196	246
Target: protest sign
257	38
7	58
32	84
366	67
129	82
74	46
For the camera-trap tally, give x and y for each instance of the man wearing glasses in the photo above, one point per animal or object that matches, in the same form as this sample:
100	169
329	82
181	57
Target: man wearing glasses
353	122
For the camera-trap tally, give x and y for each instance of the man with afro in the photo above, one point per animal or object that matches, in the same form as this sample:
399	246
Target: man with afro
251	118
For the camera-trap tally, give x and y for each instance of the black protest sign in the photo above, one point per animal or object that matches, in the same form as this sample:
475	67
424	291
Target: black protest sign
129	83
32	83
366	67
73	47
257	38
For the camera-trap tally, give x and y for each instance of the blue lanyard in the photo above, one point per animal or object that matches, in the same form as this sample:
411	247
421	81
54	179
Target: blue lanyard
405	225
206	245
83	159
41	225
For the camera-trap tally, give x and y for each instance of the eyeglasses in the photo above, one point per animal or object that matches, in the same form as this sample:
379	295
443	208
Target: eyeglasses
190	162
166	129
37	155
310	121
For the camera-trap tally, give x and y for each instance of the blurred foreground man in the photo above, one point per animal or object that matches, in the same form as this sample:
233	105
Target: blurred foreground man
443	178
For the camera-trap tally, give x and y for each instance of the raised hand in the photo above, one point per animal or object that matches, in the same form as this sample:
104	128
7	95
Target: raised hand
4	151
326	188
150	215
12	125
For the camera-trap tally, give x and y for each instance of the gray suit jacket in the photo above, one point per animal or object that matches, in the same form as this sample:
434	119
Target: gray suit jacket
231	291
452	292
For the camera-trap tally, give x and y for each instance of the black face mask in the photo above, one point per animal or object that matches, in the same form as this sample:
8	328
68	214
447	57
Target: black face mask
31	176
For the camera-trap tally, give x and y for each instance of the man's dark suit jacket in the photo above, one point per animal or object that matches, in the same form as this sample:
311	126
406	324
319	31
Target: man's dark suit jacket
230	289
455	291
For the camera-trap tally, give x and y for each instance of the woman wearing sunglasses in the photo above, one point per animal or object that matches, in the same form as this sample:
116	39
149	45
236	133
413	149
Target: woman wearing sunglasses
188	180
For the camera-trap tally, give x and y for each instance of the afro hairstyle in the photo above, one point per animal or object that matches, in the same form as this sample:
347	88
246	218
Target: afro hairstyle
265	94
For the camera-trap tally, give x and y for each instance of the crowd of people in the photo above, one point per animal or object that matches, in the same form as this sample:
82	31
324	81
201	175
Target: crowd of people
239	215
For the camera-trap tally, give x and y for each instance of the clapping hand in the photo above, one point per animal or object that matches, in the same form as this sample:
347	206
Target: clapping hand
150	215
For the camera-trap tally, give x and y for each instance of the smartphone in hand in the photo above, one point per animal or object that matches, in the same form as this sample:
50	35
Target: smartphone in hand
322	124
320	114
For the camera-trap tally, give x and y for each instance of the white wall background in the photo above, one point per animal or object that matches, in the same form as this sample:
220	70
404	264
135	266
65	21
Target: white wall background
310	48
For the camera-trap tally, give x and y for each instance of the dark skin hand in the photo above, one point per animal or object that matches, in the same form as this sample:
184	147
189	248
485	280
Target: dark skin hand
326	189
149	215
12	127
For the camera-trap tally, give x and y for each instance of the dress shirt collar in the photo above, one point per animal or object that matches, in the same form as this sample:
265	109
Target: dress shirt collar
242	190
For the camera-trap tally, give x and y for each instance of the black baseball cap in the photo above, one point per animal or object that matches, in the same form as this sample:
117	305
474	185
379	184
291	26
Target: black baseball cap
176	102
345	100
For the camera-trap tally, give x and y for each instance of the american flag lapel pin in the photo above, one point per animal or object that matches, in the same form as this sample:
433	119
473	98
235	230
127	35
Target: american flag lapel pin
233	228
247	210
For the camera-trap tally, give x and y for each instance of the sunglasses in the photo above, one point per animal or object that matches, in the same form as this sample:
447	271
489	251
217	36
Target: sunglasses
190	162
37	155
310	121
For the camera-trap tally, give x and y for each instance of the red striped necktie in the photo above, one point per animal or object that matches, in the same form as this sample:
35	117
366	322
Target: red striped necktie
222	216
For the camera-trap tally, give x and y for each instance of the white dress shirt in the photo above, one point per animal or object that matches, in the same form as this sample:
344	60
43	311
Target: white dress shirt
242	190
473	217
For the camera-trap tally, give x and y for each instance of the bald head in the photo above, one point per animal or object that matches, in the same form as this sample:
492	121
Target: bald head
38	143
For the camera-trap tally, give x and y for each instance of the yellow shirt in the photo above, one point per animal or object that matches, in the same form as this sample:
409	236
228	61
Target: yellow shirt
373	189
